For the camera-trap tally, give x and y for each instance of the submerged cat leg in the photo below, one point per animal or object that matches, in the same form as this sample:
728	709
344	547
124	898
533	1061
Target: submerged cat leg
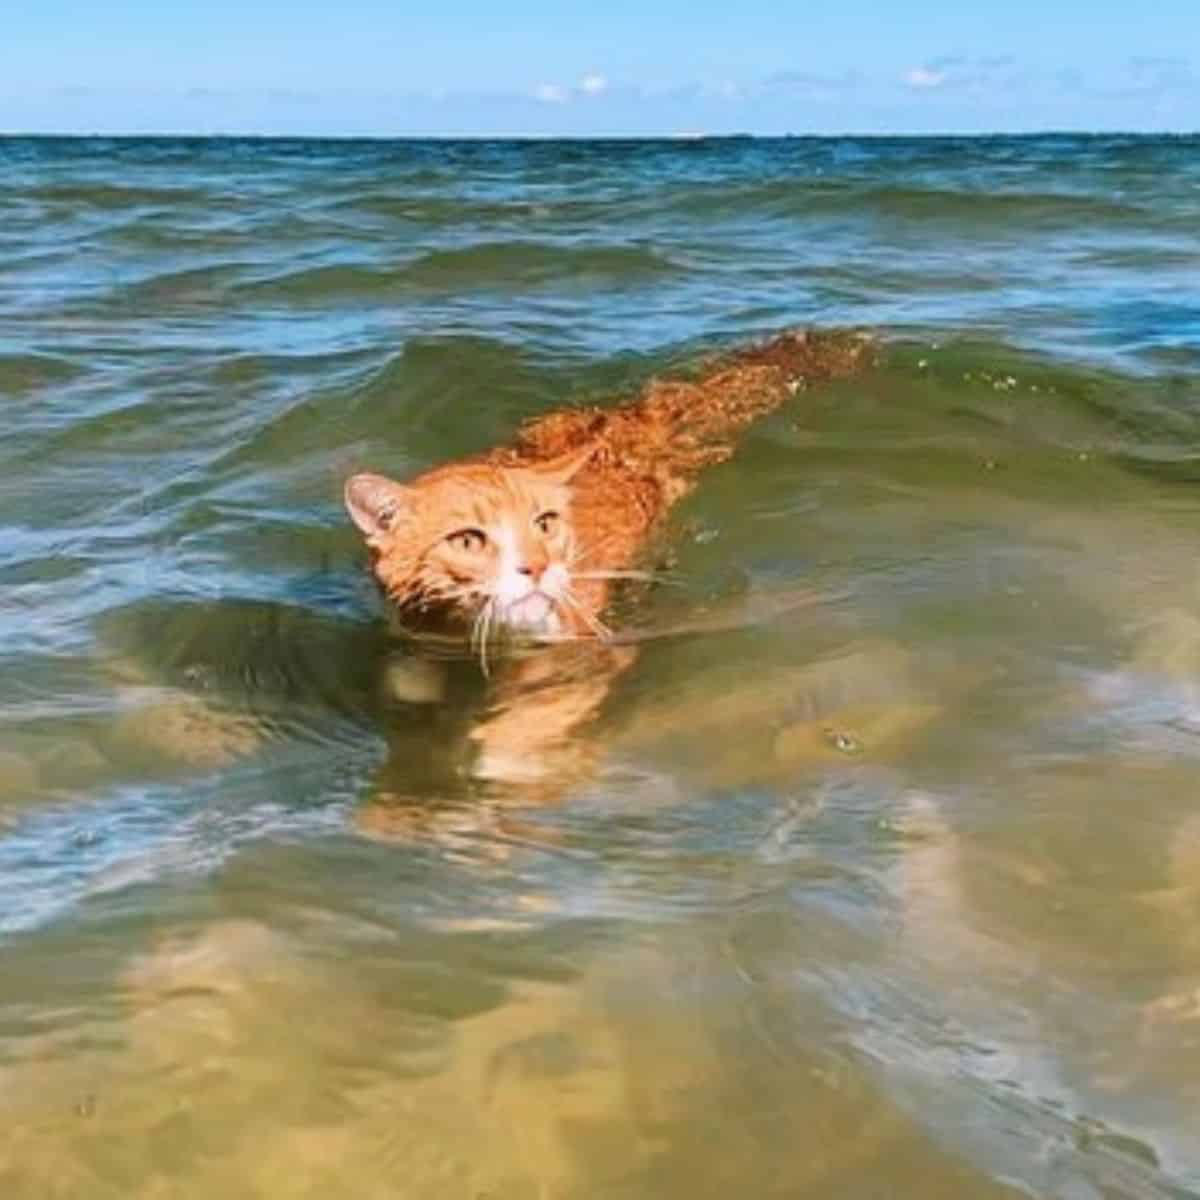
532	733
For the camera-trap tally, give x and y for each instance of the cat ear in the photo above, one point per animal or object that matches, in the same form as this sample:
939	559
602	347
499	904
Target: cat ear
565	467
375	503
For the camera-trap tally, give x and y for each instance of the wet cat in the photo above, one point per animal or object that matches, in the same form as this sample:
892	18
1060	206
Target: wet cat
527	541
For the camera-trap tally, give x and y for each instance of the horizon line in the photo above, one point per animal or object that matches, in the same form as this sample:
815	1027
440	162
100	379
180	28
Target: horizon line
678	136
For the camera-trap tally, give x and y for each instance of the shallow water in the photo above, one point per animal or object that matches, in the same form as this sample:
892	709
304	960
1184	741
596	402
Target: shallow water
879	872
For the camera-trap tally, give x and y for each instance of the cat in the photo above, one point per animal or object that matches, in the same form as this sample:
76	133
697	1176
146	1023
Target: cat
524	543
527	539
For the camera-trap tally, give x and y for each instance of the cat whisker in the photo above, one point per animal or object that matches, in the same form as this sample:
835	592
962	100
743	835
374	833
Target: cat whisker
477	645
490	627
602	631
579	553
481	632
642	576
598	627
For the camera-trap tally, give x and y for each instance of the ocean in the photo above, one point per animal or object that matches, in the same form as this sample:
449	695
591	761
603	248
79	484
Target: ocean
885	877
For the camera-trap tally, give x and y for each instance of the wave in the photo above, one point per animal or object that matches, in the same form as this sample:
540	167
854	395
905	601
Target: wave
395	408
797	197
485	265
453	211
23	373
112	196
190	286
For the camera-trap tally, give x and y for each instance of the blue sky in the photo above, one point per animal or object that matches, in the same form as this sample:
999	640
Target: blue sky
533	67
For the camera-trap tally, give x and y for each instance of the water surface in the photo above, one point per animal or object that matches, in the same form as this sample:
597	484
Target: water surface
884	873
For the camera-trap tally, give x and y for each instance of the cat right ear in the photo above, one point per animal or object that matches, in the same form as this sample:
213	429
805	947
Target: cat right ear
375	504
565	467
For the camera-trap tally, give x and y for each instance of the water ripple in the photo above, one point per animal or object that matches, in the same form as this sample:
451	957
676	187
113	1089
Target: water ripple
847	871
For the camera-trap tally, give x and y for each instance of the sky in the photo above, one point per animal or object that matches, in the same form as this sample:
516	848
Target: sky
609	67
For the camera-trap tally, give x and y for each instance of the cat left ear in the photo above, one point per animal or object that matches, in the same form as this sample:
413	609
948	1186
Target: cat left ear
565	467
375	503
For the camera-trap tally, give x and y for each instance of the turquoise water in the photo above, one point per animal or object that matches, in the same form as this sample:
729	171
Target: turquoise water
884	877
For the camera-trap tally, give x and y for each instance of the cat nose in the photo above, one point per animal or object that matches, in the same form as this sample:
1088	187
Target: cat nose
533	567
531	562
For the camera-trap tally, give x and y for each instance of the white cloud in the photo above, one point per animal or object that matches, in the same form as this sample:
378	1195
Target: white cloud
593	84
924	77
550	93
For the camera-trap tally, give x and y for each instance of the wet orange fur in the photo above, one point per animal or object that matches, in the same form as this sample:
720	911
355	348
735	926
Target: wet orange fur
612	473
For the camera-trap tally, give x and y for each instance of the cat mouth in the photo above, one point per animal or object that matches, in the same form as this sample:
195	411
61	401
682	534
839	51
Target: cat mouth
534	612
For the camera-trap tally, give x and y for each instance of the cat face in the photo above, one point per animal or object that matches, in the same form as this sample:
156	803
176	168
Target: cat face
487	545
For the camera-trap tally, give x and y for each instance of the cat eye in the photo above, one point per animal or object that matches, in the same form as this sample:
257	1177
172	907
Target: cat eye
470	541
547	522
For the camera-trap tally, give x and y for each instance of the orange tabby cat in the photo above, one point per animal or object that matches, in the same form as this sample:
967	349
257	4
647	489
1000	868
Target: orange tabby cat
527	540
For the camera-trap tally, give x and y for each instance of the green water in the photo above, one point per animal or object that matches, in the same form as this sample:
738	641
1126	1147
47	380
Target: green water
882	873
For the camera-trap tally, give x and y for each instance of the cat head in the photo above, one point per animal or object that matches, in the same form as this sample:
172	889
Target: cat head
477	543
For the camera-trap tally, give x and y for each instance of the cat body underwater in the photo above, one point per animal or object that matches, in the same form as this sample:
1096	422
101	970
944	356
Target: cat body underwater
525	543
